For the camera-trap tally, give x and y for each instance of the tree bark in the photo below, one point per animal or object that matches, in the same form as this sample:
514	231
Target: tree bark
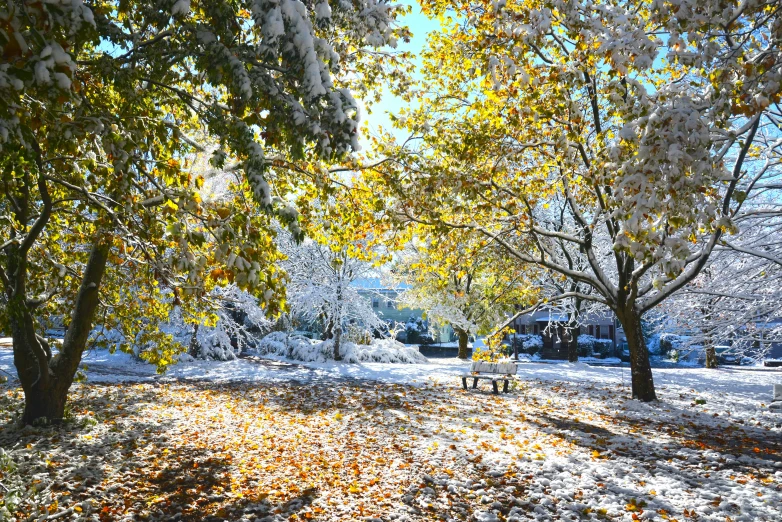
338	323
573	321
463	339
46	378
337	342
640	368
572	348
711	357
194	349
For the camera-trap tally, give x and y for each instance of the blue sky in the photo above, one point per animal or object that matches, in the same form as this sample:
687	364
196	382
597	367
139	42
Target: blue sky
420	26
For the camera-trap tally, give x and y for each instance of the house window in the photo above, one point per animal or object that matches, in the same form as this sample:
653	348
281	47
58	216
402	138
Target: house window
375	303
604	332
536	329
591	330
390	304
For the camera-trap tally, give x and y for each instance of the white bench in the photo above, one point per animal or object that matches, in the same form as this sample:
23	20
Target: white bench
494	372
776	402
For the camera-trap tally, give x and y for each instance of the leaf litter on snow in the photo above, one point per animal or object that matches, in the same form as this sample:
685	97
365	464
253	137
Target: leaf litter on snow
371	451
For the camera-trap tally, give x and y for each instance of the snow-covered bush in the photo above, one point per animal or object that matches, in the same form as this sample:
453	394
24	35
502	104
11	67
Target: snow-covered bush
670	342
416	331
223	325
382	350
529	343
603	347
237	321
295	347
586	345
653	344
590	346
357	334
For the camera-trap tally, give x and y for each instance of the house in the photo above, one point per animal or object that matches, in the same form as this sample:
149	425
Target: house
385	303
551	325
385	299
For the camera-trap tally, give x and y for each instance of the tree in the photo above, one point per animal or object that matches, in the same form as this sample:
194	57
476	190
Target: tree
236	319
99	106
622	134
735	299
461	281
320	289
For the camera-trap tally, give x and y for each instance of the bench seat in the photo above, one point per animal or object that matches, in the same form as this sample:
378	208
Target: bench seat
494	372
776	401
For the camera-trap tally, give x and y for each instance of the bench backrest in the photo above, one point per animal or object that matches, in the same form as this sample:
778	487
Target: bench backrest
777	392
490	367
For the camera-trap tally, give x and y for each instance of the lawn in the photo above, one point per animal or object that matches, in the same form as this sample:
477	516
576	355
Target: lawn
282	446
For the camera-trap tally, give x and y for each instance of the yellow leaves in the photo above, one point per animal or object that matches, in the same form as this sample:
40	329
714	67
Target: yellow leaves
596	455
634	505
169	207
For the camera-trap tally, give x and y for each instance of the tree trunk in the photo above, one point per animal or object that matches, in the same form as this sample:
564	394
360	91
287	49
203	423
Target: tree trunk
195	348
45	403
44	397
337	342
572	348
328	332
337	321
573	323
711	356
463	339
640	368
45	377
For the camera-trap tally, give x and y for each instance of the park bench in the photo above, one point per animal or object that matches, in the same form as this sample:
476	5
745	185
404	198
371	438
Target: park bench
776	401
489	371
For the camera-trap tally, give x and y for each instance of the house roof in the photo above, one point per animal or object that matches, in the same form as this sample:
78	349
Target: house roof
553	317
374	283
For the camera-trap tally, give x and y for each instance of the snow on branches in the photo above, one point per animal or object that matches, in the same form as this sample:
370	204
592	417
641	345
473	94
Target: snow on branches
320	290
102	104
611	144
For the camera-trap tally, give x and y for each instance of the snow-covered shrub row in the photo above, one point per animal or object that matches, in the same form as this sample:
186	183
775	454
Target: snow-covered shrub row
416	331
530	343
589	346
298	348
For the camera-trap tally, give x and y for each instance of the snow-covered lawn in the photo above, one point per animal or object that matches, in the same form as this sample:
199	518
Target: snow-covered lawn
257	439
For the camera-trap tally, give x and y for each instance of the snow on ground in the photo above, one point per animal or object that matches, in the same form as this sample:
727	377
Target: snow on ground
744	388
567	444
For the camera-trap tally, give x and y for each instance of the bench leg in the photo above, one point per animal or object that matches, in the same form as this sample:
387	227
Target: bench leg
494	385
505	386
464	382
474	383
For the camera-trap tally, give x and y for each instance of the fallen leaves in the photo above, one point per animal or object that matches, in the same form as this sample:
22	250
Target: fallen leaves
367	450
